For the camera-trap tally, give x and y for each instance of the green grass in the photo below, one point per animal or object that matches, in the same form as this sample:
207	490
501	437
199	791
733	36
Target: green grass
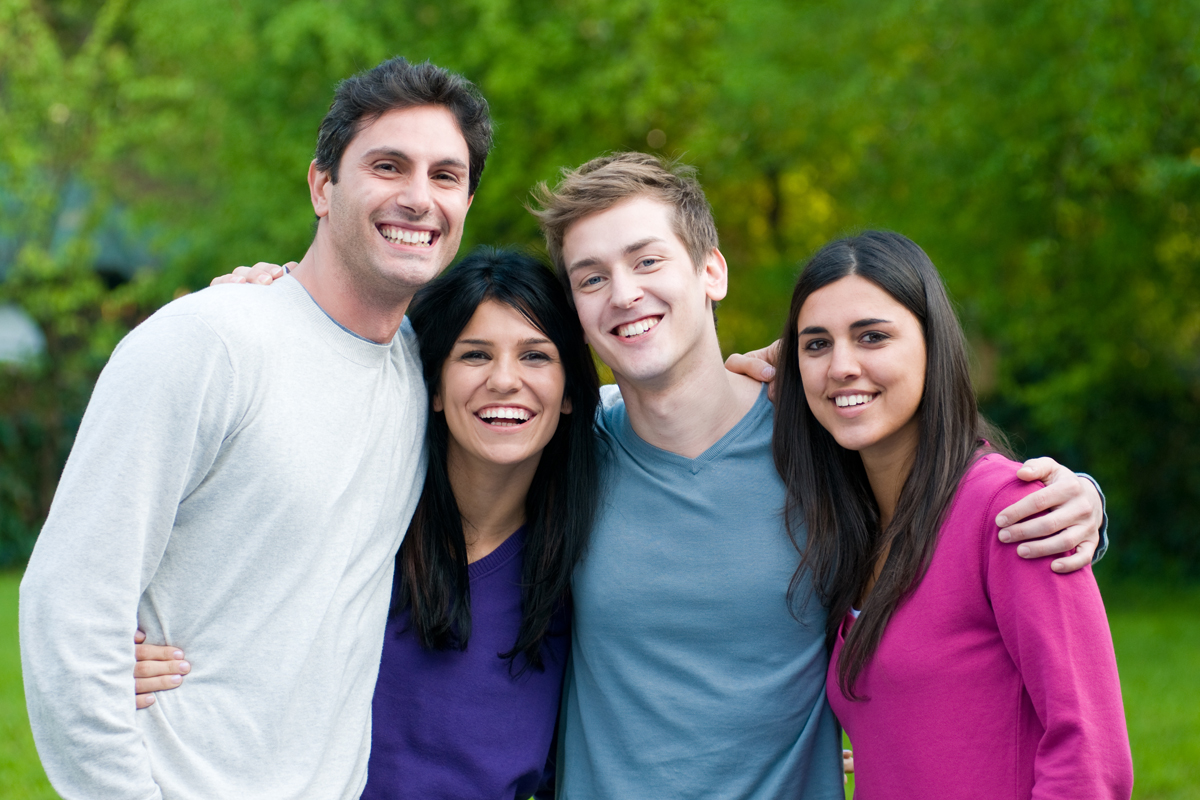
21	776
1156	630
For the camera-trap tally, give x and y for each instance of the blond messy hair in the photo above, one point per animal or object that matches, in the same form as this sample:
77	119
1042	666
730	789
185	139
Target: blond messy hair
608	180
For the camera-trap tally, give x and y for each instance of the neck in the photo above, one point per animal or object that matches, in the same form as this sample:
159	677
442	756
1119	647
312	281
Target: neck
886	472
491	500
689	411
372	315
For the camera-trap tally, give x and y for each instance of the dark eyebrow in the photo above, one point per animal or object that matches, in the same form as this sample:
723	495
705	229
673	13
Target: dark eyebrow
489	342
862	323
391	152
865	323
631	248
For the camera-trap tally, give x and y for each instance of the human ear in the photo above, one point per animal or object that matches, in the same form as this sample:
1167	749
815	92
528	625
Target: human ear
320	185
436	404
716	276
566	405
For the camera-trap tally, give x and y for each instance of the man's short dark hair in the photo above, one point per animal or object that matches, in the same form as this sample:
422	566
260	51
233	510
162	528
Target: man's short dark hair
395	84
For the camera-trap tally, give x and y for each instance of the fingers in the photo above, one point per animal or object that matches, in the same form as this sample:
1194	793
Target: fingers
1053	542
161	669
139	636
1040	469
154	652
1065	497
750	366
1077	560
263	273
160	683
157	676
144	700
847	761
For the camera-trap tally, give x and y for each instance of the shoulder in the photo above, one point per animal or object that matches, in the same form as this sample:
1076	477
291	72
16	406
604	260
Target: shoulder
991	482
611	410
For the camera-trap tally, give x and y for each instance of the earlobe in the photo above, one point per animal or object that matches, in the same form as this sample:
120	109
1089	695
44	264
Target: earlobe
716	276
436	404
566	405
319	185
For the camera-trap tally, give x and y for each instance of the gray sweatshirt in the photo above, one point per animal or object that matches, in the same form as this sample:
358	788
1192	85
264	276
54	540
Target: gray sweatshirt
241	481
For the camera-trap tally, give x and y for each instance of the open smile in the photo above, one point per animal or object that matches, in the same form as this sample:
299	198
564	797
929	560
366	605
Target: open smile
410	237
632	330
853	400
504	416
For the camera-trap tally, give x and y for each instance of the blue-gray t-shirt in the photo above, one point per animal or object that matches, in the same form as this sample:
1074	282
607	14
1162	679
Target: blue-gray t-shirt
689	676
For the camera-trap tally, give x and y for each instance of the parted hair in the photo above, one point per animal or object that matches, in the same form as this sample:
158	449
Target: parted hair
396	84
827	485
432	585
608	180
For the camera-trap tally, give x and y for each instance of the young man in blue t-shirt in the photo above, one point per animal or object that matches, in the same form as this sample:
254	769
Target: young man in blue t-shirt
690	674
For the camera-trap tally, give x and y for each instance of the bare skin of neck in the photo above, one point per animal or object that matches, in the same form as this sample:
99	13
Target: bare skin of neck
689	410
886	472
373	313
491	499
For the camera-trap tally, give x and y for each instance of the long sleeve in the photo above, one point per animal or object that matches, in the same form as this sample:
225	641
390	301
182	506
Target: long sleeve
155	423
1056	631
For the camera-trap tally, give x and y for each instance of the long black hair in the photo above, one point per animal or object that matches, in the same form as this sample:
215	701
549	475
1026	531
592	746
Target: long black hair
827	484
432	583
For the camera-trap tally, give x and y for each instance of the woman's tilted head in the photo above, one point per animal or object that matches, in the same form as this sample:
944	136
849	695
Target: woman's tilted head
511	381
905	280
873	367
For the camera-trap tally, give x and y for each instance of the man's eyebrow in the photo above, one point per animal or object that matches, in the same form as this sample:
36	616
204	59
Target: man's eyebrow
581	264
630	248
391	152
640	243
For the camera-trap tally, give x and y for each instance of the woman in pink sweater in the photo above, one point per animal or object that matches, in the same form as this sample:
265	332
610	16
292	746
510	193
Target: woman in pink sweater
958	668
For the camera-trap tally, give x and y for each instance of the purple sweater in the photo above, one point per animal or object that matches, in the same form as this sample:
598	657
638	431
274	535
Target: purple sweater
456	724
995	679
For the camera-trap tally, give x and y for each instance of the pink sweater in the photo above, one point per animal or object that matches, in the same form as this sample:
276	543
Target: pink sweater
995	679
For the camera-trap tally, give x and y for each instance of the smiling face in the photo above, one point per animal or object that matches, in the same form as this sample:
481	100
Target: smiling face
395	215
862	362
643	305
502	389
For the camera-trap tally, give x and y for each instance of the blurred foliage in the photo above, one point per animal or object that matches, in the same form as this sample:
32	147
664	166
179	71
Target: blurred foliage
1046	154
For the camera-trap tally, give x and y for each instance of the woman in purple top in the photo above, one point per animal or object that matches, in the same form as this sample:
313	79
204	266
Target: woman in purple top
946	684
473	659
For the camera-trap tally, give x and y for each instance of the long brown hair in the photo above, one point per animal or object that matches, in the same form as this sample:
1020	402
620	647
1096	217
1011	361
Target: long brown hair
827	485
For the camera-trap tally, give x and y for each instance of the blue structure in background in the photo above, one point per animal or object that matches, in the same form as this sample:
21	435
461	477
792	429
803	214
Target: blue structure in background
119	253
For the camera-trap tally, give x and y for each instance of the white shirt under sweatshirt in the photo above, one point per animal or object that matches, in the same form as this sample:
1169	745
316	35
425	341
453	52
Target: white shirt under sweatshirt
239	486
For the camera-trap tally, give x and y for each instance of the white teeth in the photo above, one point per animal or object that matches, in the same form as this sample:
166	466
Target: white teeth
853	400
404	236
505	412
636	328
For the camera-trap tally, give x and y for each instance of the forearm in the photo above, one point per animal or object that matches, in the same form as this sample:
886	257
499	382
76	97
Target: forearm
76	658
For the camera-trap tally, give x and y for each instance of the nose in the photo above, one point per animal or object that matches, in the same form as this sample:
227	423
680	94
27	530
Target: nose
504	376
414	196
844	365
625	289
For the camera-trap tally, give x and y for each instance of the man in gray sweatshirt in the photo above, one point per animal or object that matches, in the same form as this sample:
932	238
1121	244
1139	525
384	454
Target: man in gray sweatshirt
241	481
